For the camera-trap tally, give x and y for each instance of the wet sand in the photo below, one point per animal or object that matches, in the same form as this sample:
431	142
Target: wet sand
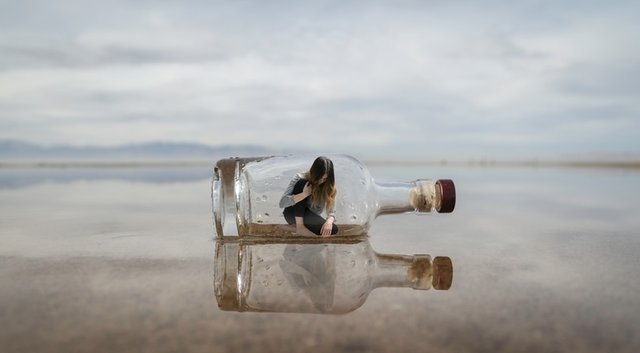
544	260
106	305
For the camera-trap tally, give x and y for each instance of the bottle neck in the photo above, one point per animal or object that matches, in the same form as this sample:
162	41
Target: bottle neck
398	197
403	271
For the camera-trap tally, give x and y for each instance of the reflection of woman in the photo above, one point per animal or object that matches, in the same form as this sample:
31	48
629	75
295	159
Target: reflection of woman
311	270
307	196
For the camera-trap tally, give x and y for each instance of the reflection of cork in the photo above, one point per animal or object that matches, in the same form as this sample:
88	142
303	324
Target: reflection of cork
425	273
442	273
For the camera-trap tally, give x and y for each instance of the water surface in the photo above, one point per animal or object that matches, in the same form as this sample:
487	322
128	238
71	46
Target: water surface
123	260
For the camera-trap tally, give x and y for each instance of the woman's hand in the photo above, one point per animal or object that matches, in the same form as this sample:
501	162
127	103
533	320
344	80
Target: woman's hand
306	192
307	189
327	227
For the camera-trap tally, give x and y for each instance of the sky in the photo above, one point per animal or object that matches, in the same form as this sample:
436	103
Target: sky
392	79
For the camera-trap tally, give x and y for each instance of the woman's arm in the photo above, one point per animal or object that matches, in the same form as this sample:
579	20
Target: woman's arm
289	198
327	227
303	195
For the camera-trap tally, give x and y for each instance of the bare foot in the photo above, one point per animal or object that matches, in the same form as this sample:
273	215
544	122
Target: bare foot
287	228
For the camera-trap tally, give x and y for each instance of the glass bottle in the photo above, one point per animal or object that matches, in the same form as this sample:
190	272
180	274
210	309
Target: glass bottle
246	192
330	277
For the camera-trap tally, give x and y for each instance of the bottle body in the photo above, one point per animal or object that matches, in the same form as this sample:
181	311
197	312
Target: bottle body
246	194
330	278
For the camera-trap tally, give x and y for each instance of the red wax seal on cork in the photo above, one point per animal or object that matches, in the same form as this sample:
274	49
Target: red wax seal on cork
447	195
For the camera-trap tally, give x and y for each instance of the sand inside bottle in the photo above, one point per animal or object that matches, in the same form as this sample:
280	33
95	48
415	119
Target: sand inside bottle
289	230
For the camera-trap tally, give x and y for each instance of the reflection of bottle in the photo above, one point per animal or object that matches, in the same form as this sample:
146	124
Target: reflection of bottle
246	192
333	277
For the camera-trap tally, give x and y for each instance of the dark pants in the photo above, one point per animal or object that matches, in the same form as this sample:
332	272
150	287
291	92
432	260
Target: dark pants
311	220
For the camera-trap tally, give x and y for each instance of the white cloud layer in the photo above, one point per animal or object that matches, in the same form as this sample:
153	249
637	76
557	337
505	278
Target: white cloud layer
410	78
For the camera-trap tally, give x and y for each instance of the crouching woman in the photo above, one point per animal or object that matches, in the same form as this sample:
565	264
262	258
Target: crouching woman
307	196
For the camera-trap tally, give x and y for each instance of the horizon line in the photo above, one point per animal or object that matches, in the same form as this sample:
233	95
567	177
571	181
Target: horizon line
483	163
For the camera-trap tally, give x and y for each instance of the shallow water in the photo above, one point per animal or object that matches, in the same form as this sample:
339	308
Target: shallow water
123	260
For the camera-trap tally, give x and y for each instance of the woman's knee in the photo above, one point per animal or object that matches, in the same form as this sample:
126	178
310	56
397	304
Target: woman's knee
299	209
334	230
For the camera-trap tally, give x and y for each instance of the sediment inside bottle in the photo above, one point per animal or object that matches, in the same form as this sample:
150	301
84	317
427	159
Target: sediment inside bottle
425	196
289	231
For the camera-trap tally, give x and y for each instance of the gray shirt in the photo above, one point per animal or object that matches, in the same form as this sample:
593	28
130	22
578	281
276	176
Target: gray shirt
287	198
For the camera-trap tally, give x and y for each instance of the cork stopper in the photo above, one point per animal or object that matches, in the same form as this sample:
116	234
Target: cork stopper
447	191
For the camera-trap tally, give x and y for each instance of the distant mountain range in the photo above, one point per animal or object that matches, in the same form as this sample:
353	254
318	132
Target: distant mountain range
21	152
15	150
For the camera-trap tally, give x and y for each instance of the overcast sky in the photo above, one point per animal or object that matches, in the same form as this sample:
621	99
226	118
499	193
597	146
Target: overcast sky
454	79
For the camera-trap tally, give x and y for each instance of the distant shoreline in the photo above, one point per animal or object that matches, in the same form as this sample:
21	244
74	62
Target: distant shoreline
518	164
627	165
106	164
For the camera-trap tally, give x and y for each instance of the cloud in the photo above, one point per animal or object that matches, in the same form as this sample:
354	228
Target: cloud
529	78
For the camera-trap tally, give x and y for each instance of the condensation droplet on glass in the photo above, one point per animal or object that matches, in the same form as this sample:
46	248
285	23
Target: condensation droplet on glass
260	259
266	214
265	283
353	263
264	197
260	221
267	267
354	217
279	282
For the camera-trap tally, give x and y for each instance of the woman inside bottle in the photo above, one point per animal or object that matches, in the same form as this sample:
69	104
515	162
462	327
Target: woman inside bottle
307	196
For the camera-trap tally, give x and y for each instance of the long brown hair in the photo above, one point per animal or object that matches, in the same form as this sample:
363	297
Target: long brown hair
325	192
